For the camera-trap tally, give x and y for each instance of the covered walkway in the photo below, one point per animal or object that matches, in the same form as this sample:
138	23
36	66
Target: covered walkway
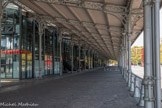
93	89
42	38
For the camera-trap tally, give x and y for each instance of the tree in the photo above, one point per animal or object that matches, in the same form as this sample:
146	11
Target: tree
136	55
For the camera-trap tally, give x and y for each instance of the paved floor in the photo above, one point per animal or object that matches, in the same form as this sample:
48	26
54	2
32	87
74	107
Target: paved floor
94	89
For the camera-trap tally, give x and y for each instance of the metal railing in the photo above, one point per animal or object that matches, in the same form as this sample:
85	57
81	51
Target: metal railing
137	89
136	86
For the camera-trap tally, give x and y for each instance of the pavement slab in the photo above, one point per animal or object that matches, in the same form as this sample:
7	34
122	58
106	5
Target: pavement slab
92	89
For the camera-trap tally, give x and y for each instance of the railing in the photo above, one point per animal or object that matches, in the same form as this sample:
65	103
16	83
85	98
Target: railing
136	84
137	89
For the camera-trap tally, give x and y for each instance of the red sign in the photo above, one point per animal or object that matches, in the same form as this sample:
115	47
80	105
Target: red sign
15	52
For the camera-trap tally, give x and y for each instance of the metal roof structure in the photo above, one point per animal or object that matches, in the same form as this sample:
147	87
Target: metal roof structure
100	24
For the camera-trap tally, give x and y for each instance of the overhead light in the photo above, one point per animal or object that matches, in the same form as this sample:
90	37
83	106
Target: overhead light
51	24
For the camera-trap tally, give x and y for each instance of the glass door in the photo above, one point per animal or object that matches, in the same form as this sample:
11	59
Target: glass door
9	58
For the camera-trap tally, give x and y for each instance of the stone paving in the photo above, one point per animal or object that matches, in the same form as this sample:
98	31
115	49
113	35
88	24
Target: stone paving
93	89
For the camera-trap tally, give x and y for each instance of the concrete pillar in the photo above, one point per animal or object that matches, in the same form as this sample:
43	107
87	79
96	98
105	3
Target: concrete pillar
148	82
1	15
157	52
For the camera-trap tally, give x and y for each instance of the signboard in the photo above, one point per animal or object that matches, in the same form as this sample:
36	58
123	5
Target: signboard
15	52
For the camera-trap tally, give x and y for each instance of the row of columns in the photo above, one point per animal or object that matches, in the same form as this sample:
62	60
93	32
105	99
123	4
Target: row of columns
89	56
152	74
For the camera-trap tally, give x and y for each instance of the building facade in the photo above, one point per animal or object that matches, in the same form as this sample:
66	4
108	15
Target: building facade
20	48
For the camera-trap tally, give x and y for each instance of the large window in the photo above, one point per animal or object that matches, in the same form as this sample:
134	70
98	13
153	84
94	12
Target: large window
10	42
48	52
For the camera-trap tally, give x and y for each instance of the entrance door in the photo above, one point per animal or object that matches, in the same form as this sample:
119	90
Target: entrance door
8	65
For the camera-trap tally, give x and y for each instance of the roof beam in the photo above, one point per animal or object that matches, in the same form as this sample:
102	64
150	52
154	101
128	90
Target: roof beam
83	23
107	8
78	33
17	3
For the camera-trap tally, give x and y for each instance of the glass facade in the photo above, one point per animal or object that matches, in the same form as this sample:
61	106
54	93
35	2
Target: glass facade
66	55
26	48
20	48
10	42
48	52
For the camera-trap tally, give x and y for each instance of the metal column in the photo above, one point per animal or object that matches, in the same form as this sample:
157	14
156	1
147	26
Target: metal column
124	64
72	46
153	51
84	59
92	59
33	51
61	59
1	12
129	51
148	82
53	52
122	49
125	60
89	59
40	24
157	52
79	57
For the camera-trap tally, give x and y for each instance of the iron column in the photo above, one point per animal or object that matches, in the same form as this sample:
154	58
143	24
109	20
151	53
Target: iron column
84	59
72	46
40	47
122	47
33	50
126	58
124	64
79	56
89	59
157	52
148	82
61	59
1	14
129	51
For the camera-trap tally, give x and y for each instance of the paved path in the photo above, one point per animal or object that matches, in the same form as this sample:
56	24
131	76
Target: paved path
94	89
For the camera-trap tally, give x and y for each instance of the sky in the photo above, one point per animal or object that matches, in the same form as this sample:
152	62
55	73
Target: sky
139	40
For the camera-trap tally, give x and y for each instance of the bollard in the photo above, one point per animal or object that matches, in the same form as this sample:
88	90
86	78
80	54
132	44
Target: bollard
132	83
141	102
137	90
